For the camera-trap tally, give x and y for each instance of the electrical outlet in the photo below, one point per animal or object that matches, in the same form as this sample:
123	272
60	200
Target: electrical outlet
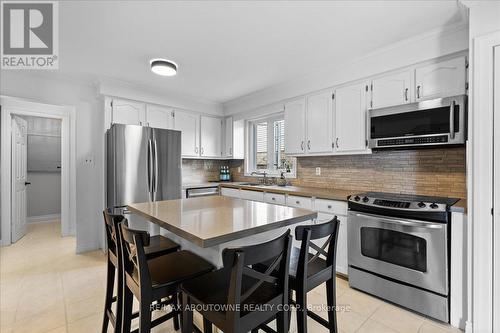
89	161
318	171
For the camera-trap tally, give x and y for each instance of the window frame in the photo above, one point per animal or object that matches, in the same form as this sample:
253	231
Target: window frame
251	148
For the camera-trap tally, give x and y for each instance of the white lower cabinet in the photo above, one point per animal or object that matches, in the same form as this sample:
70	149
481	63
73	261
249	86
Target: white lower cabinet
275	198
230	192
252	195
299	202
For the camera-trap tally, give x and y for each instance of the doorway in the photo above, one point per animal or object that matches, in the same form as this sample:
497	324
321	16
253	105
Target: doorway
36	175
18	211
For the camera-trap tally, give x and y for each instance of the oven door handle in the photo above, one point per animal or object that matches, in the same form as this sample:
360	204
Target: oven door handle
409	222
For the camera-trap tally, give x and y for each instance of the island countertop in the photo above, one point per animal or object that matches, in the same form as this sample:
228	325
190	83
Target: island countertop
213	220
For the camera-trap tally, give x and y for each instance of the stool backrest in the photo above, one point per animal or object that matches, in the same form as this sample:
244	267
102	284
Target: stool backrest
112	222
327	251
134	258
238	263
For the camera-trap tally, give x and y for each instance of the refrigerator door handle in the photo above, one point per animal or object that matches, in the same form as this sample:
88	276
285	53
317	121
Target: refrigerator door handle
150	168
156	172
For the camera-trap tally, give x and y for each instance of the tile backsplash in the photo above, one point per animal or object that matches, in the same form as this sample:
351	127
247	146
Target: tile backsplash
201	171
439	172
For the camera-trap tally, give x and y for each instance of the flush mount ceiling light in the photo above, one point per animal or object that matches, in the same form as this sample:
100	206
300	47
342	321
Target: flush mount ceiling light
163	67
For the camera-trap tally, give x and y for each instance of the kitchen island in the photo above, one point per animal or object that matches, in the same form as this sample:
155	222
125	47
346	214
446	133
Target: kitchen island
207	225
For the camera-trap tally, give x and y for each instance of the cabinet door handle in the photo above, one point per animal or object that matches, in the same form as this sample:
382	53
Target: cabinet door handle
297	202
202	150
329	206
337	142
406	94
273	199
196	150
418	91
230	151
302	145
309	144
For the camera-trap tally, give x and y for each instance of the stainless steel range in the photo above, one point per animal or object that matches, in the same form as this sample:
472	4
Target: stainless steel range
399	249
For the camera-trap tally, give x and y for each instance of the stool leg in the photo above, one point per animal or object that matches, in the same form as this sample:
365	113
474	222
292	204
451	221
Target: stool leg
331	301
175	306
110	284
145	315
207	326
301	297
187	315
128	299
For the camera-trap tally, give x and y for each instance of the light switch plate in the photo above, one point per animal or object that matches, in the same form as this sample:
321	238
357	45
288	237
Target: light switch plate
318	171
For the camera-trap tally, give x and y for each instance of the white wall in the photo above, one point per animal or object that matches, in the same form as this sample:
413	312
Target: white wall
421	48
89	141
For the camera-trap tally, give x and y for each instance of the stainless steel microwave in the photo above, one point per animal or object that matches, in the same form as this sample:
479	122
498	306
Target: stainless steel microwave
434	122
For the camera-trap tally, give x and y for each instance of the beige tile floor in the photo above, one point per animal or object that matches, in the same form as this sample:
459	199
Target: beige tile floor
46	288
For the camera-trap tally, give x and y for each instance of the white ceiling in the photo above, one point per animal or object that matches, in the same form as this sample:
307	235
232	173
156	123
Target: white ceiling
225	49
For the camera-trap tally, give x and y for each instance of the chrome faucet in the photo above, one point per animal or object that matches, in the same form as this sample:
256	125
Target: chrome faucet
264	174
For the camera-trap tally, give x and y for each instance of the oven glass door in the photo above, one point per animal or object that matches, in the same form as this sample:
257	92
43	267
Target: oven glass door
414	123
410	251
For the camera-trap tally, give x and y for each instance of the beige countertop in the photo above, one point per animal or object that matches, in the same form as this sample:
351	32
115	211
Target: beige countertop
333	194
210	221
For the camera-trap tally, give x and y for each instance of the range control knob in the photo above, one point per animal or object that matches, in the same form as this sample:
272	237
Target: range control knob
357	198
365	199
434	205
421	204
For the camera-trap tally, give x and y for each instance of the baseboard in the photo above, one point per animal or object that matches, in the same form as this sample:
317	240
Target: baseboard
468	327
43	218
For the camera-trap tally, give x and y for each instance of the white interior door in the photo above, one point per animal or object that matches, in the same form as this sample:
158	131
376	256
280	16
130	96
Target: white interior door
19	173
496	193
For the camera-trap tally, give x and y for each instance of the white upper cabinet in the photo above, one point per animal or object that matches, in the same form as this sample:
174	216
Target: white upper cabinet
238	139
295	129
211	137
393	89
159	117
128	112
319	123
350	118
189	125
442	79
228	137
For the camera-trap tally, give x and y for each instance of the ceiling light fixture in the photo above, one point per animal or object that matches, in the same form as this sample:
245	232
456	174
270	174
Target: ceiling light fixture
163	67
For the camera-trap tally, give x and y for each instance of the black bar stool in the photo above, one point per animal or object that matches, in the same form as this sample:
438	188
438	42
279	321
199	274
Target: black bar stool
154	282
309	270
238	298
159	245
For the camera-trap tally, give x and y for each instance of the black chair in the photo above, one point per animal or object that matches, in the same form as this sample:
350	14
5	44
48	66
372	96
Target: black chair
154	282
159	245
238	298
309	270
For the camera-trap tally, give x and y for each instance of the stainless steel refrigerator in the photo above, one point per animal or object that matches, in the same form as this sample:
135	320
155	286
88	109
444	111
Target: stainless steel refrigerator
143	164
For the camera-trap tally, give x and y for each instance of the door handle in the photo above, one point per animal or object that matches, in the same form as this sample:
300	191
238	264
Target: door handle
406	94
27	183
452	120
408	223
150	167
418	91
156	170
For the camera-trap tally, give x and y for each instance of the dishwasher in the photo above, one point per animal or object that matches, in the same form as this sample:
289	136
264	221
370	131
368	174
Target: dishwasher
202	192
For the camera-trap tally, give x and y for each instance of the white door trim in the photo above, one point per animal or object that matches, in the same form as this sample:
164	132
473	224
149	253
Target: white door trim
481	185
496	193
20	106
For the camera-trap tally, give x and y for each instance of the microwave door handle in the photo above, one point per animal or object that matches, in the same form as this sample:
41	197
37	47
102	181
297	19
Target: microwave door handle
409	223
452	120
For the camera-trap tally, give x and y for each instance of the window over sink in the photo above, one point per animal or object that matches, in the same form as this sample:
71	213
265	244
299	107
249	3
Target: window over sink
266	147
